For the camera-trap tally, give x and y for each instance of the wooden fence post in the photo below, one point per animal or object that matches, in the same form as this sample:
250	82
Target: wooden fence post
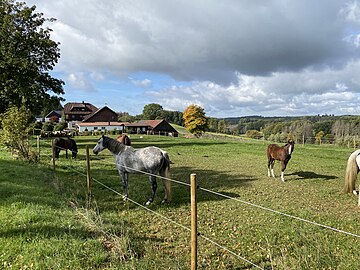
38	145
88	171
53	154
193	222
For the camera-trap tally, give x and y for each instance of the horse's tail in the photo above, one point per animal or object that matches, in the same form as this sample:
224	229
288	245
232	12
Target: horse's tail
74	148
165	172
351	173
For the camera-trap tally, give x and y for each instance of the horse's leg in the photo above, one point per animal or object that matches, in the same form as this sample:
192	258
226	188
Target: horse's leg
272	168
153	189
283	167
270	161
57	152
66	153
124	179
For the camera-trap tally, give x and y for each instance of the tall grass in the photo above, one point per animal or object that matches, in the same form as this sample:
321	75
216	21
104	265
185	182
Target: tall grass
48	214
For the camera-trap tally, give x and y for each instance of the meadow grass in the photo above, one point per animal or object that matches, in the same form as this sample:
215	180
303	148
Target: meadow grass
49	223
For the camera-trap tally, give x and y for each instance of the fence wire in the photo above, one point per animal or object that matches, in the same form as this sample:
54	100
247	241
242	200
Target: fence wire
214	193
160	215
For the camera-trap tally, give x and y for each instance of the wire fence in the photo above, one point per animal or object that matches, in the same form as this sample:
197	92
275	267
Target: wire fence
221	246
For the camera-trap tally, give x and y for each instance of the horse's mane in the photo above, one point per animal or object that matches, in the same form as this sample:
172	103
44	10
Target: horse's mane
113	145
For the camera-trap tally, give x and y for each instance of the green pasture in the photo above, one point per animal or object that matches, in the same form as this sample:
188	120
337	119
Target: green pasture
48	222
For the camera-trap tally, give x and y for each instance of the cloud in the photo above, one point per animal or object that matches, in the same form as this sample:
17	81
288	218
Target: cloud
194	41
244	57
79	81
145	83
283	93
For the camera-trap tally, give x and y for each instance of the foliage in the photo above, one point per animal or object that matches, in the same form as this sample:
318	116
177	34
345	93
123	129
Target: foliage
60	126
194	120
48	126
319	136
253	134
174	117
152	111
222	126
15	135
27	54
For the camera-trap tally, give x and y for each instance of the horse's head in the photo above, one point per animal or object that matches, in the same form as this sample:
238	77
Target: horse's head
291	144
99	146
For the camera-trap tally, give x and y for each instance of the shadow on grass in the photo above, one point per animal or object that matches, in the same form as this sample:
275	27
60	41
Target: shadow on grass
312	175
140	189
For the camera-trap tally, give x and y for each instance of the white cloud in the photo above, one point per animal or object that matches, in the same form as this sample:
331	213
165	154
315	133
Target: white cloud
145	83
270	57
79	81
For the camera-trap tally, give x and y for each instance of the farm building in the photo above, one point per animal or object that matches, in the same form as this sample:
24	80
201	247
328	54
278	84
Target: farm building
53	116
74	111
100	126
152	127
102	119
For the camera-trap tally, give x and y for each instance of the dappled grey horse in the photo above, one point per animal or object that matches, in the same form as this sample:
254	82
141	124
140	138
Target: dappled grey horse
151	160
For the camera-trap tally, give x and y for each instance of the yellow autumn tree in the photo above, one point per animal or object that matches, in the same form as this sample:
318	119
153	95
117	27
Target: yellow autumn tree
195	120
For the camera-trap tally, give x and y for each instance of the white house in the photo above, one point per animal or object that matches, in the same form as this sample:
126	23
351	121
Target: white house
100	126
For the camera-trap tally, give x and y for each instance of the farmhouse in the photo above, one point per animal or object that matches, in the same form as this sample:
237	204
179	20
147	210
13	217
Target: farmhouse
74	111
103	119
101	126
152	127
53	116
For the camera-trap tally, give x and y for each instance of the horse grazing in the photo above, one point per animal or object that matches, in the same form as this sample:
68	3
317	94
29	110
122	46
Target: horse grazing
124	139
352	170
151	160
281	153
64	144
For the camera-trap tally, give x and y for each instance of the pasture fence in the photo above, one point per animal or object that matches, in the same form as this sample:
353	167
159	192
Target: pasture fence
194	218
193	186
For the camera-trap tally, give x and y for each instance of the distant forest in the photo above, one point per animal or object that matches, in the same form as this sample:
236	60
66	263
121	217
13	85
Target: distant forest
342	130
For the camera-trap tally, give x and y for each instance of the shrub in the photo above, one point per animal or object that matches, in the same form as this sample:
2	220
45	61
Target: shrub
15	135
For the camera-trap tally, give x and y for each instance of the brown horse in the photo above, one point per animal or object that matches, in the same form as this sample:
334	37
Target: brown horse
124	139
64	144
281	153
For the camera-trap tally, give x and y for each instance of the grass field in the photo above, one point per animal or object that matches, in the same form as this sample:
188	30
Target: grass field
47	222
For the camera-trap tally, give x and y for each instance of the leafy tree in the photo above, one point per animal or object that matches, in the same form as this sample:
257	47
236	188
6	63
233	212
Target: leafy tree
153	111
319	136
173	117
212	124
195	120
27	54
222	126
15	134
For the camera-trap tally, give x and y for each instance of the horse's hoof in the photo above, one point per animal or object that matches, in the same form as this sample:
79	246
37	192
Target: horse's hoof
125	198
148	203
355	192
164	201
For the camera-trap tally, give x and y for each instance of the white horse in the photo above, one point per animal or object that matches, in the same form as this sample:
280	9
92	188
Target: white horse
352	170
150	160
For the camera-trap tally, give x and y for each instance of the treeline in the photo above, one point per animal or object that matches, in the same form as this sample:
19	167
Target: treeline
343	130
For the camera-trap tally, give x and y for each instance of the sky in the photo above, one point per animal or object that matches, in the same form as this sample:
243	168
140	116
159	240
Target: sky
231	57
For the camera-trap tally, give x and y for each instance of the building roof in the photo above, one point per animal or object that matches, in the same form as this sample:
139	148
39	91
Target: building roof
88	117
151	123
83	108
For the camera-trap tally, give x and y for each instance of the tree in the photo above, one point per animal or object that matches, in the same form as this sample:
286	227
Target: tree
27	54
152	111
222	126
15	134
195	120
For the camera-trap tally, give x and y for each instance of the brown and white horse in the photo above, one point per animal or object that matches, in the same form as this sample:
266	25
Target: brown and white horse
124	139
352	170
281	153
